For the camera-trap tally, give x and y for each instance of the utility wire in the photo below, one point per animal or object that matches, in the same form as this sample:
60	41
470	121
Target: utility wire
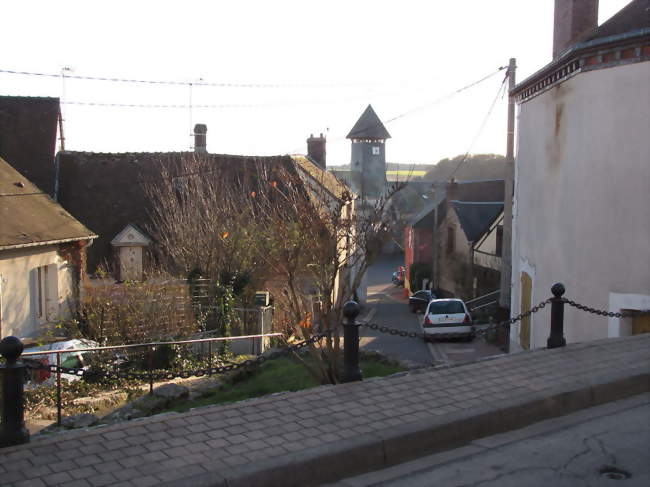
480	130
421	107
184	83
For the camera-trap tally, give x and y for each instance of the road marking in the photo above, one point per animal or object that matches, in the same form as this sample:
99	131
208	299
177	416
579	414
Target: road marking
369	316
437	353
462	350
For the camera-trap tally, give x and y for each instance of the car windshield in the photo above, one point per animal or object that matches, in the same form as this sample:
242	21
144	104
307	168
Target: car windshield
446	307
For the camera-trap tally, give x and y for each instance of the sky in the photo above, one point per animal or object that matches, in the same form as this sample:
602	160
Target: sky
299	67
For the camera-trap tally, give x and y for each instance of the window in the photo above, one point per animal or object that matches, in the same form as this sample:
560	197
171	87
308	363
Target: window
375	151
41	291
446	308
45	291
450	240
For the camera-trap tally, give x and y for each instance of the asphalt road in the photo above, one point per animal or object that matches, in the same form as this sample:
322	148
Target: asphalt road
604	446
391	309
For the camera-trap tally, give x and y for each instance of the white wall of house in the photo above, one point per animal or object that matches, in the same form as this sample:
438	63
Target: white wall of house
30	297
582	197
488	245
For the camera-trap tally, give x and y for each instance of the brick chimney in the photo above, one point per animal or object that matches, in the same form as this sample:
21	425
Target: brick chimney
316	150
200	138
573	19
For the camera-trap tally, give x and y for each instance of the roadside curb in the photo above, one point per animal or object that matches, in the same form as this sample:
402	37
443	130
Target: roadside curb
331	462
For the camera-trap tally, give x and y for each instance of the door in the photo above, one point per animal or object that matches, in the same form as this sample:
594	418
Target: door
526	294
640	324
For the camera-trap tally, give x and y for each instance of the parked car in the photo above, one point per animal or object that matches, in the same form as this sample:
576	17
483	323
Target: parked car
418	301
444	316
398	277
69	359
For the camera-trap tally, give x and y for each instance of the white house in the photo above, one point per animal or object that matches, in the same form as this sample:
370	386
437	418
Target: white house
42	256
582	176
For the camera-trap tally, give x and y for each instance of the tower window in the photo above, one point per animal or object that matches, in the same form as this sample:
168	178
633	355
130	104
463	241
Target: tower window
375	150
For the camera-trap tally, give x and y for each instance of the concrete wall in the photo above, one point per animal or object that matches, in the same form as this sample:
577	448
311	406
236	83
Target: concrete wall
18	293
582	197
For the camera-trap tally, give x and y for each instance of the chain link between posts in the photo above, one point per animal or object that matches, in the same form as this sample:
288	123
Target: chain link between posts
484	330
477	331
183	374
611	314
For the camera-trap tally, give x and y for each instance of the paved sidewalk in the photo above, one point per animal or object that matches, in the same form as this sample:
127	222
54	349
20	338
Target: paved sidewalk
326	433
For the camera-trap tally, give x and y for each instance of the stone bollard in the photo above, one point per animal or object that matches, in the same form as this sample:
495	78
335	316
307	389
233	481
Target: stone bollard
351	370
12	429
556	338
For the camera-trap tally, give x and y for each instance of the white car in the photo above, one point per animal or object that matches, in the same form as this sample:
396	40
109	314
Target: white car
448	316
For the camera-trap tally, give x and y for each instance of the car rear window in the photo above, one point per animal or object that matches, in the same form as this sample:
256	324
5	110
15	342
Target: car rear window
446	308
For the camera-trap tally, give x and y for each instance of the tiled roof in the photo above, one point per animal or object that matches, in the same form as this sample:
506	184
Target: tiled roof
30	217
328	180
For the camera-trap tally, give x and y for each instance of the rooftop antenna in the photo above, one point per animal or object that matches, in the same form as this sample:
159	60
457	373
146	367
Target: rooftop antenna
189	110
64	70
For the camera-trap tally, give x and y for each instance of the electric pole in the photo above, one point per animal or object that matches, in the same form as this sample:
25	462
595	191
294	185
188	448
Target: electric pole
506	248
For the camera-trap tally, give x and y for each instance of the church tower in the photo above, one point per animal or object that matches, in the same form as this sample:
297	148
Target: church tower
368	162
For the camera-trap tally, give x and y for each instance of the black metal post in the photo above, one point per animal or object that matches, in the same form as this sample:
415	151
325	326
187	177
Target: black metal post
556	338
12	430
150	367
351	370
58	389
210	358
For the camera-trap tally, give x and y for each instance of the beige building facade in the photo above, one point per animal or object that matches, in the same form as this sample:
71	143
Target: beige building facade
582	189
42	257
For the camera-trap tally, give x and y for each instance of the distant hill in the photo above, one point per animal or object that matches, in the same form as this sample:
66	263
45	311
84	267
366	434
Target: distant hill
476	167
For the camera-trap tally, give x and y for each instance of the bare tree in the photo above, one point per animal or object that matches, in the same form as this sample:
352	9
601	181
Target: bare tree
286	222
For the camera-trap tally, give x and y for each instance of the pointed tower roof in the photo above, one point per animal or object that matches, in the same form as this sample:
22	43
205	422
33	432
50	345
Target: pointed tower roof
368	127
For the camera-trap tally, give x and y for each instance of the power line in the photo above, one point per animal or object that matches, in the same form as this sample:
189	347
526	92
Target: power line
426	105
186	106
185	83
482	126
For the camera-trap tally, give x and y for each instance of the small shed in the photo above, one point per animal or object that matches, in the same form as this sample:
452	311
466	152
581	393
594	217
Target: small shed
129	245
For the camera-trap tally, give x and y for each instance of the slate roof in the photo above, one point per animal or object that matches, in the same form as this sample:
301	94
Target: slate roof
369	126
634	16
28	128
484	191
30	217
476	216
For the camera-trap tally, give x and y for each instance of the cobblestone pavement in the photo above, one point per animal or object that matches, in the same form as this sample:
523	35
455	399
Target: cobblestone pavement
326	433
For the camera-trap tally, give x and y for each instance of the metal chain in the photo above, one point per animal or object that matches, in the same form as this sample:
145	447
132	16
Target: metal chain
611	314
479	332
184	374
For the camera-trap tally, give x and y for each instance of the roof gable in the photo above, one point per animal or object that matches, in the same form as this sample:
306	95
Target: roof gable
131	236
369	126
30	217
476	216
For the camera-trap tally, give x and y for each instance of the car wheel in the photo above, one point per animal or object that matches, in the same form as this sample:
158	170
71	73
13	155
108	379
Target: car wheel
470	337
